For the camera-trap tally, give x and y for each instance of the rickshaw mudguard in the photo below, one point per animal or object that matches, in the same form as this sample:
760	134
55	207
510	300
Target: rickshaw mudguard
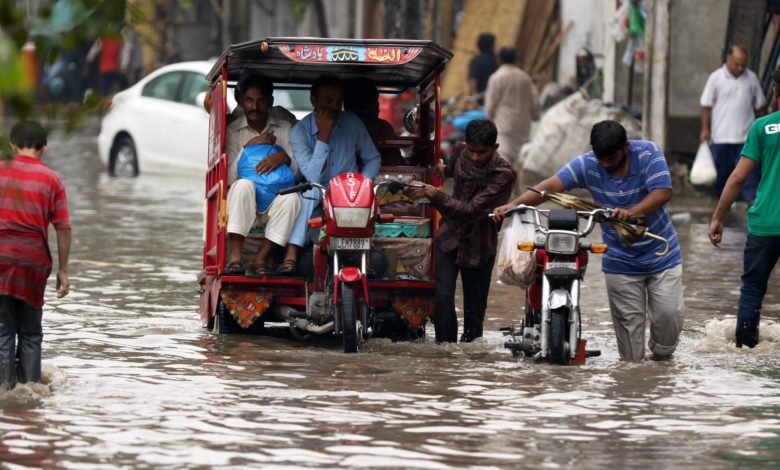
209	298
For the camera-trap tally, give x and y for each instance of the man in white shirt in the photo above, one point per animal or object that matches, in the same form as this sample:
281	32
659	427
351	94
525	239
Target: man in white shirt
511	102
730	102
257	126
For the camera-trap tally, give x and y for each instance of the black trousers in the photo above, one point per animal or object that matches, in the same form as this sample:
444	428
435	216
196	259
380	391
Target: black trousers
476	285
22	320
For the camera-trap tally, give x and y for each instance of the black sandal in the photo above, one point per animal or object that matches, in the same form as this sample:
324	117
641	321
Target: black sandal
234	268
260	270
287	268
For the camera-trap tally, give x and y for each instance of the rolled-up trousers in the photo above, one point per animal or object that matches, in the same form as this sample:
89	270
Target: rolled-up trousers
637	299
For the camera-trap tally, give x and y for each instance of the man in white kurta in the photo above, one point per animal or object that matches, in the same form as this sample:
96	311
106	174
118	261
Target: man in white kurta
258	126
510	102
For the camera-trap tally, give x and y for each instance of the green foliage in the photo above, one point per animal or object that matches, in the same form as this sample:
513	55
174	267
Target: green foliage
299	8
62	26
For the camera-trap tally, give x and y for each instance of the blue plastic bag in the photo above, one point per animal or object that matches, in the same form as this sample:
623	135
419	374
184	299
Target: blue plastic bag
462	120
266	186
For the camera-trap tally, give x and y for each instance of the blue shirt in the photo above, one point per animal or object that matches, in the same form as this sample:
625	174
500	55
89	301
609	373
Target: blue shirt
348	140
647	171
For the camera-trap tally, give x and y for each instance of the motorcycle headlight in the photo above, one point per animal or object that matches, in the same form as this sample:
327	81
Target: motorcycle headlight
351	217
563	243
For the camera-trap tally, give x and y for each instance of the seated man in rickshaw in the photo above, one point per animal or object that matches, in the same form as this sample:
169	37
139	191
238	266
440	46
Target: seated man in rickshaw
254	94
327	143
362	98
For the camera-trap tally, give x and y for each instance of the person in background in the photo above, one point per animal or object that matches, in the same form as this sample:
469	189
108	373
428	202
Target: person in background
467	239
326	143
730	102
482	65
511	102
107	51
32	196
631	176
362	98
762	247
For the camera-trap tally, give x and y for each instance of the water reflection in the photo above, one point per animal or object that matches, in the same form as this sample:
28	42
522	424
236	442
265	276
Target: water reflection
140	384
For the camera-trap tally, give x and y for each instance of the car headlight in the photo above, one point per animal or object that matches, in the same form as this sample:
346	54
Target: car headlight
351	217
564	243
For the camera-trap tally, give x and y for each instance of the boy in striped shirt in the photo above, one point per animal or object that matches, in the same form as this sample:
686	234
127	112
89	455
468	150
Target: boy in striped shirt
631	176
31	197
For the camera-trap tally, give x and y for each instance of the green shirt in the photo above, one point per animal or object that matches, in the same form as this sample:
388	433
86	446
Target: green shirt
763	147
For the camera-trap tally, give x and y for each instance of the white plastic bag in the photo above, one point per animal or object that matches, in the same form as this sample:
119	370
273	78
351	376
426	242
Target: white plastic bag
515	267
703	172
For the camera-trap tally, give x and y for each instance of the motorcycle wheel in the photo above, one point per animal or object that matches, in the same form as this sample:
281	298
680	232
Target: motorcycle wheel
558	320
349	330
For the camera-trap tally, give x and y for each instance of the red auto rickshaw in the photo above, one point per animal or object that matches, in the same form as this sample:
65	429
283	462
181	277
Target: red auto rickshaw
356	280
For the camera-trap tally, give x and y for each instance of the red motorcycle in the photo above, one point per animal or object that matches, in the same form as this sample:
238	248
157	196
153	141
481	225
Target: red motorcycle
340	302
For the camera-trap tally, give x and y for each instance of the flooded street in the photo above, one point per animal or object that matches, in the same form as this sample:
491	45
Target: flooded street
136	382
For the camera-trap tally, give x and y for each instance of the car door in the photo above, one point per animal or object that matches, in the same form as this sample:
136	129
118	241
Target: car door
157	121
194	120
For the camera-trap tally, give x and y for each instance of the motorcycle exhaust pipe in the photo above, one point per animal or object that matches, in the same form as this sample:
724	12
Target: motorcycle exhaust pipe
312	328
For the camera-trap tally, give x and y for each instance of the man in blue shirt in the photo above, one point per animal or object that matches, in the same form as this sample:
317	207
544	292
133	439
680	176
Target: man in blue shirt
632	177
327	143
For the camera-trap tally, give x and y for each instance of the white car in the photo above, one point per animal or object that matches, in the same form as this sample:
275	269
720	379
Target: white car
159	124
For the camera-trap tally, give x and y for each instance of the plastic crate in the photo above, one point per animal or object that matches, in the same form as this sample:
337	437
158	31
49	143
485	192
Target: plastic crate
409	227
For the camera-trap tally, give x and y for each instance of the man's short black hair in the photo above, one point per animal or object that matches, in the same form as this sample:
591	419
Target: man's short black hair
481	132
607	137
507	55
358	92
253	80
325	81
485	42
776	78
28	134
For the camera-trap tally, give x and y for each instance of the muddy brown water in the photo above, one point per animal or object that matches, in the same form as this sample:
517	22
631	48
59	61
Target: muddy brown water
133	381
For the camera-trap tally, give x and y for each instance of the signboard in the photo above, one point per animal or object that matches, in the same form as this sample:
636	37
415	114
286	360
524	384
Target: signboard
314	53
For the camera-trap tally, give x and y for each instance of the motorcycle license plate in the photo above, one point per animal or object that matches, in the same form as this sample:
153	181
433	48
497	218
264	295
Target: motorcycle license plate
562	264
351	243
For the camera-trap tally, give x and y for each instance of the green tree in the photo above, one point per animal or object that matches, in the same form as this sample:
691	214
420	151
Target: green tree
29	40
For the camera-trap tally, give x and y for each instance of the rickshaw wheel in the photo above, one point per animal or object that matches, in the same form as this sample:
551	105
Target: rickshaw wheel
221	324
349	328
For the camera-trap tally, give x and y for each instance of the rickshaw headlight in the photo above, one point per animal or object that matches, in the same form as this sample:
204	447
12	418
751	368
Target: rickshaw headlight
563	243
351	217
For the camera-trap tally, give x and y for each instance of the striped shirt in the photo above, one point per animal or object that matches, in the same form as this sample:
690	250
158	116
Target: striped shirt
31	196
647	171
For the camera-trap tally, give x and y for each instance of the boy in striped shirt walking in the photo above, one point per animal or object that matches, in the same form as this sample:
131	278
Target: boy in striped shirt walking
31	197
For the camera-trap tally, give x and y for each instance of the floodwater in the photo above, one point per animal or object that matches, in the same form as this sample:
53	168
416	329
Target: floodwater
133	381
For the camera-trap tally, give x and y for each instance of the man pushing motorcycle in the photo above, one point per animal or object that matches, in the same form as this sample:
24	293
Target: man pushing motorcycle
632	177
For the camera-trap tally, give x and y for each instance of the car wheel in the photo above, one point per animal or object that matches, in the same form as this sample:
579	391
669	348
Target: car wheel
124	158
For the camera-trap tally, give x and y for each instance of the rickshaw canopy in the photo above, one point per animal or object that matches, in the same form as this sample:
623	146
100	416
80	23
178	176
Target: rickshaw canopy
396	63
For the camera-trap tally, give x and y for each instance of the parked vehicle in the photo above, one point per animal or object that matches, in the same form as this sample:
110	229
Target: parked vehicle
348	283
159	124
552	326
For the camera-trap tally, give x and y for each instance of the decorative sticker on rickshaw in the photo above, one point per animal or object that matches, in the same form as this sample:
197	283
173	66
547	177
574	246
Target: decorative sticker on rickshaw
246	307
415	311
378	55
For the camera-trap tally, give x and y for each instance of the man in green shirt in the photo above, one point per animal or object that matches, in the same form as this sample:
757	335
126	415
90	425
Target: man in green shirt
762	248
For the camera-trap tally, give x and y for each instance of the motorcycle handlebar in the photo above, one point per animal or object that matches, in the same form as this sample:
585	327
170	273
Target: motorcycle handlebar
299	188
